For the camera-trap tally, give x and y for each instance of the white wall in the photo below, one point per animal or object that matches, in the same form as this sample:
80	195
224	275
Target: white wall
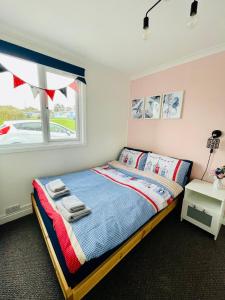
106	132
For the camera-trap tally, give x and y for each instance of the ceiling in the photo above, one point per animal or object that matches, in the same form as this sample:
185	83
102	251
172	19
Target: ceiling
110	31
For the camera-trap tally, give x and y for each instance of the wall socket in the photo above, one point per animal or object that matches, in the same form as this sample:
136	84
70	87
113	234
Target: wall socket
12	209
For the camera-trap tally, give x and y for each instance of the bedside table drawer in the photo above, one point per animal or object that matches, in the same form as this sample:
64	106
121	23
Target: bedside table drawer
199	215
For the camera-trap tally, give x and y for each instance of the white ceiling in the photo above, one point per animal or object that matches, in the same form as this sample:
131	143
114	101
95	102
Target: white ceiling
110	31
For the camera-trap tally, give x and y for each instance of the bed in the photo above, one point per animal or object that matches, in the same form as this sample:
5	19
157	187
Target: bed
77	276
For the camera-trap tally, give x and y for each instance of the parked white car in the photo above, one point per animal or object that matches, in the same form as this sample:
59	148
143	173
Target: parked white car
30	131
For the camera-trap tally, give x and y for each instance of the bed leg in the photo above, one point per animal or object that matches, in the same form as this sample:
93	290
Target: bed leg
73	296
70	297
32	204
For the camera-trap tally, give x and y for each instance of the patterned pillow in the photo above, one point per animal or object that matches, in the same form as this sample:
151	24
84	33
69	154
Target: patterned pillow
133	159
171	168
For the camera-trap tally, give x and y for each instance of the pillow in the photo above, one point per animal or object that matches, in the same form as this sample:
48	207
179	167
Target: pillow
171	168
133	159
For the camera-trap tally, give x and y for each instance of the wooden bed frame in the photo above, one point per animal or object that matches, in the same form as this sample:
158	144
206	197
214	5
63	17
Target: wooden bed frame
82	288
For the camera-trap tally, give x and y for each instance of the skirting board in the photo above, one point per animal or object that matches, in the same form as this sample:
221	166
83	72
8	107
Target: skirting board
25	210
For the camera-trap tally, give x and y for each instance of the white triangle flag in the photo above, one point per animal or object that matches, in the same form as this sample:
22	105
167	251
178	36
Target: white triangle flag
35	91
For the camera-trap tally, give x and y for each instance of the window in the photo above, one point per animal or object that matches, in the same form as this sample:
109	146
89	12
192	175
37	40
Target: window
45	109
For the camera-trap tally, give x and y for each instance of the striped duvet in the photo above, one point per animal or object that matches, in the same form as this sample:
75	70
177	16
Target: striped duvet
122	199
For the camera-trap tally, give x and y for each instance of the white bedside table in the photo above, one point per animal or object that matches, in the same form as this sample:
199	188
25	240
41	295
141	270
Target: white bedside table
203	206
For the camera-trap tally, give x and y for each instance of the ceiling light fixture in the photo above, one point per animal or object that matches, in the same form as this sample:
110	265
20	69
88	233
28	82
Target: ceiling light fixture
191	23
146	30
193	14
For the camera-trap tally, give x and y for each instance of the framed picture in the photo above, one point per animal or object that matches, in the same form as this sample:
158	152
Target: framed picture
172	105
137	108
152	107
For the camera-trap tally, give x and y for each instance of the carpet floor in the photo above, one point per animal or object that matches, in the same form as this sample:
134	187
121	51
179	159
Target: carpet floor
176	261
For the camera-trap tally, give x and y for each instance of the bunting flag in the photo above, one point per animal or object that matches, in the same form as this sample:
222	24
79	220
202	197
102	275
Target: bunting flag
64	91
82	79
35	91
17	81
50	93
2	69
74	86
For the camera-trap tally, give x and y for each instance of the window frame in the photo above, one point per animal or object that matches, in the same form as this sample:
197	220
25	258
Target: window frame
48	142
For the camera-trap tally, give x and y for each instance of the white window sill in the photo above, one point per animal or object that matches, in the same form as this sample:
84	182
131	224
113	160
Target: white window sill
41	146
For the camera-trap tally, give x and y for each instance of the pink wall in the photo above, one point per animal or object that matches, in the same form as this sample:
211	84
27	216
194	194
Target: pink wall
203	81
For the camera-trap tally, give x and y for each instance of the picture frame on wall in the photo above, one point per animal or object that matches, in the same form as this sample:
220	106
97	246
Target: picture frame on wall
153	107
172	104
137	109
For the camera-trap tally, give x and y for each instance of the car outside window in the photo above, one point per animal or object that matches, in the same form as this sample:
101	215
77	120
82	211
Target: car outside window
35	126
57	128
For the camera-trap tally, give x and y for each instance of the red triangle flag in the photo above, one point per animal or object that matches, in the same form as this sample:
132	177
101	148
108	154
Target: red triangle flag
50	93
17	81
74	86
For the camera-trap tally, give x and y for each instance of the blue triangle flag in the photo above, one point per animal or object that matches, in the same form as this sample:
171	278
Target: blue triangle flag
2	69
82	79
64	91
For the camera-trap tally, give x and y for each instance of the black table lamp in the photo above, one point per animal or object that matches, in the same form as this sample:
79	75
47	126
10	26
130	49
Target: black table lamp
212	143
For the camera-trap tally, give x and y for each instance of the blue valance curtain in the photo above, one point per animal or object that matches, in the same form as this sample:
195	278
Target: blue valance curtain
24	53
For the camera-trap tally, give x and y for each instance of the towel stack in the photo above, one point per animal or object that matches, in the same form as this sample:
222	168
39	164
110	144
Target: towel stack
56	188
72	209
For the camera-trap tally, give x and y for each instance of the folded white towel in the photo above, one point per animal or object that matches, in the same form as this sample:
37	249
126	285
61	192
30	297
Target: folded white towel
72	203
71	217
56	185
57	195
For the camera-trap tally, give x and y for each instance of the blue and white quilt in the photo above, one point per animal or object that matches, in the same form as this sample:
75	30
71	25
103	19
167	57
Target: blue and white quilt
121	199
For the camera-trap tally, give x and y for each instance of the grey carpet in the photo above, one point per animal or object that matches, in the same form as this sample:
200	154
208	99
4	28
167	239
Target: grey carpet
176	261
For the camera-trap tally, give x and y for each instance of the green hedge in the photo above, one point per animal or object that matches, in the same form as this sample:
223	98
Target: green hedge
10	113
68	123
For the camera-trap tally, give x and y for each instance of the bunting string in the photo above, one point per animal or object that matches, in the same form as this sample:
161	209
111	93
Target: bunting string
36	90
